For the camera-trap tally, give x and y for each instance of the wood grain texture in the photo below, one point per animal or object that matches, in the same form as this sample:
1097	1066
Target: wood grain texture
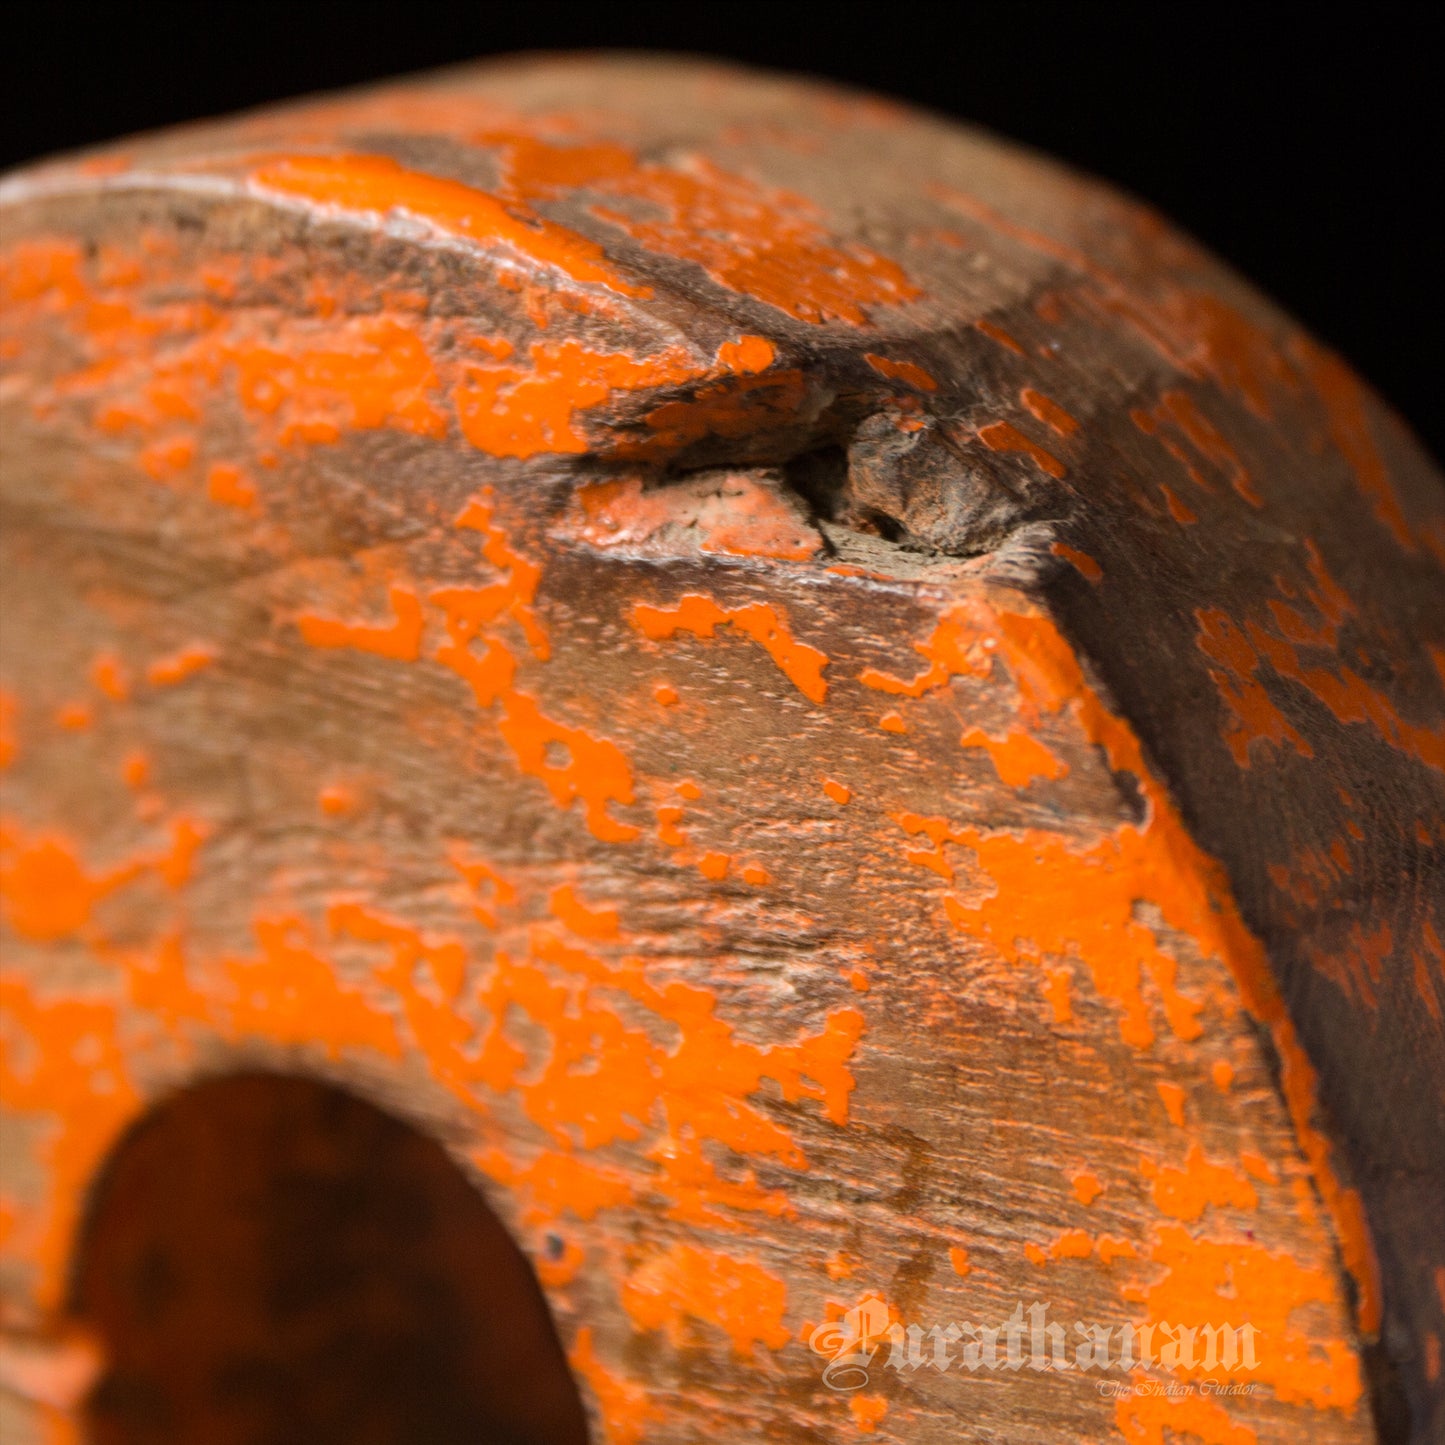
837	709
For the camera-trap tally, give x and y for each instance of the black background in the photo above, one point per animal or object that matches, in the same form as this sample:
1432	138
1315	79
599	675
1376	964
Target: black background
1303	145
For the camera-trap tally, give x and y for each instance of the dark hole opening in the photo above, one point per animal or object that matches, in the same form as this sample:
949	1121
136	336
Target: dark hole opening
820	477
270	1260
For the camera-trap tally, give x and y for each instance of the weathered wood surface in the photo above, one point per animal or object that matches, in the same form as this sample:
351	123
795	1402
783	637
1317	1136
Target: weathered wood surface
835	708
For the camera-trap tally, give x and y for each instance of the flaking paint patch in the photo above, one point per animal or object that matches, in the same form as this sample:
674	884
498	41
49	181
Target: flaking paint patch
1004	436
1017	758
304	984
307	379
731	514
685	1283
9	728
801	664
1284	640
623	1403
601	1080
1177	420
381	186
768	243
1156	862
591	770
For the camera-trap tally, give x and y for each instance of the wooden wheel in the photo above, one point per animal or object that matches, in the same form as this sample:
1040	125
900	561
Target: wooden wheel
848	720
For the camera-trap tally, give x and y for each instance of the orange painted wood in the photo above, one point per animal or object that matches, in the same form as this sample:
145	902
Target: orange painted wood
837	710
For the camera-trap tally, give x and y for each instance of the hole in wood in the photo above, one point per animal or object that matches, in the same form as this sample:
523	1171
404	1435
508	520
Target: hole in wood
270	1260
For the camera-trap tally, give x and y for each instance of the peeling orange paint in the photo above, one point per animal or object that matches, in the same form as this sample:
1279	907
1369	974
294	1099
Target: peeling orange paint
904	371
189	660
1284	643
72	1073
337	800
380	185
109	676
584	921
516	410
800	664
1093	889
1172	1097
1058	990
1256	715
1162	1419
622	1403
1048	411
9	740
1017	758
1081	562
289	992
684	1282
230	486
306	380
736	514
956	648
1002	436
867	1411
1207	1281
1179	411
74	717
714	866
1186	1193
1343	399
46	891
399	639
995	332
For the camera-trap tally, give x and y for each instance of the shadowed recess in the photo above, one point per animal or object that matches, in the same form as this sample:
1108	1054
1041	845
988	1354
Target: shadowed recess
270	1260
